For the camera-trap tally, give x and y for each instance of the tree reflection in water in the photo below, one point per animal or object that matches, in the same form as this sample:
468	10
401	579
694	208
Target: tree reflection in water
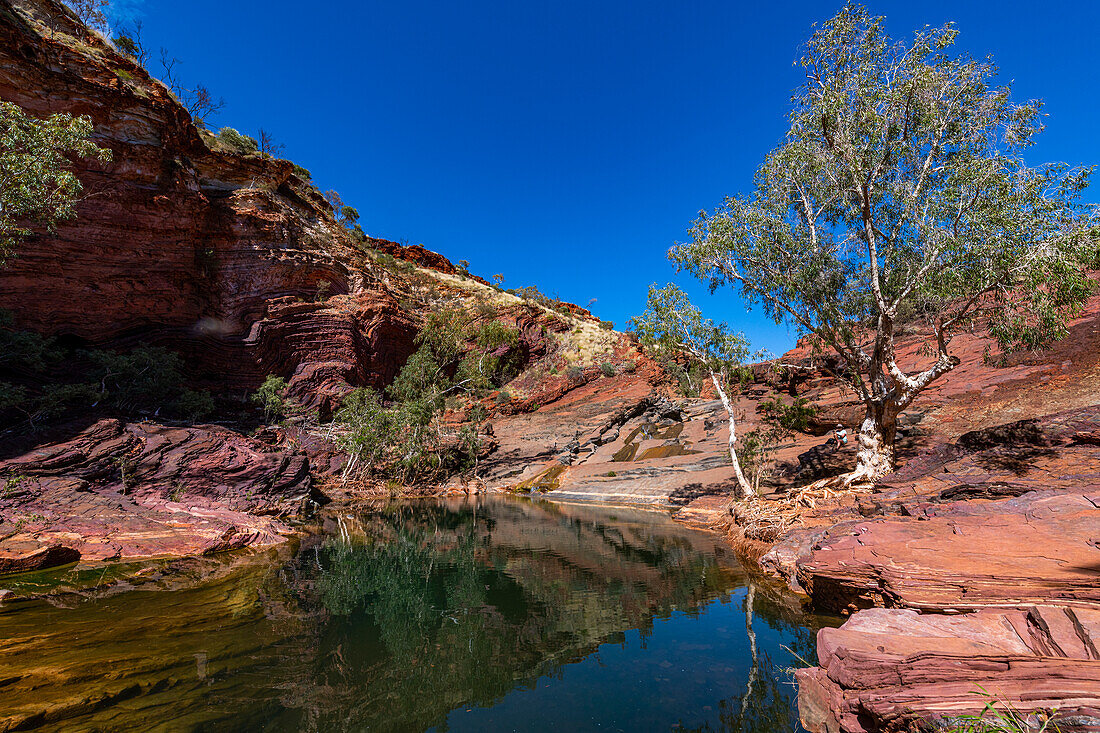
461	615
434	606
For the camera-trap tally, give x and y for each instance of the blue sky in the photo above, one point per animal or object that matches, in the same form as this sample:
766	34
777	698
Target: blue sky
568	144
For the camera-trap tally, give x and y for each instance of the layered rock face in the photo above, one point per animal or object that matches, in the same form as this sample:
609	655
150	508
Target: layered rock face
958	527
135	490
214	254
217	255
173	240
895	670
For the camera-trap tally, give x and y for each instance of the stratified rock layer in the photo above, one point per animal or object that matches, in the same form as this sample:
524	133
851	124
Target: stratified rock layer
891	670
1005	515
144	490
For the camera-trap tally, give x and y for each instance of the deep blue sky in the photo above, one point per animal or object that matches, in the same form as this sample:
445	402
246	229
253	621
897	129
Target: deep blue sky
569	144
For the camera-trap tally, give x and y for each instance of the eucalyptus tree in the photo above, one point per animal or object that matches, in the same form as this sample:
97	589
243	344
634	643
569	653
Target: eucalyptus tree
672	327
901	187
36	185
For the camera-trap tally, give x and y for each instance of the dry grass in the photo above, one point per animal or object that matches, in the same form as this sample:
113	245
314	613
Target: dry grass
766	520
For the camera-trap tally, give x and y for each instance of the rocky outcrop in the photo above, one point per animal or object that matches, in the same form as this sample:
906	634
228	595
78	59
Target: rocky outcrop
1001	518
894	670
958	526
137	490
217	255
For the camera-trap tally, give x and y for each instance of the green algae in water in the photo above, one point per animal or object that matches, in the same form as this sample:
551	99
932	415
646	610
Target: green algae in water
450	615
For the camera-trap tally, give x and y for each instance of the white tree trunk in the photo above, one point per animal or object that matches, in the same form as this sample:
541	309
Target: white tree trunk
746	487
875	455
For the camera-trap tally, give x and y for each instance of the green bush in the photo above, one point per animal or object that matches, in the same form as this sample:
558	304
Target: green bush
368	429
607	325
236	142
794	417
270	397
608	369
575	372
195	404
148	377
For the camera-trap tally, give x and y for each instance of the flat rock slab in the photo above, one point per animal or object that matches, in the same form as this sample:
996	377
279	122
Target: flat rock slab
890	669
1037	548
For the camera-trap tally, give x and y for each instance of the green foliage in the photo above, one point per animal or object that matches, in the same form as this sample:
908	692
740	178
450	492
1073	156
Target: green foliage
607	325
143	377
532	294
235	142
349	216
302	173
408	439
575	373
369	429
1003	719
756	449
36	186
794	417
902	178
607	369
270	397
673	327
126	44
37	379
25	350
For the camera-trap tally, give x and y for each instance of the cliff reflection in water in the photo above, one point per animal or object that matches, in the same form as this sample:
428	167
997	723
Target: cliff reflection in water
452	614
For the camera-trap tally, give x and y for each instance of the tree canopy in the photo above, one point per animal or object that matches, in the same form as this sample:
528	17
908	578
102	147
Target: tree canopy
902	184
36	185
673	327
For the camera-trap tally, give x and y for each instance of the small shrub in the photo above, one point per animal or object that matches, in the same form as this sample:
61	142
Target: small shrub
195	404
611	474
126	470
368	430
11	484
607	325
629	367
236	142
608	369
574	373
270	397
503	397
302	173
795	417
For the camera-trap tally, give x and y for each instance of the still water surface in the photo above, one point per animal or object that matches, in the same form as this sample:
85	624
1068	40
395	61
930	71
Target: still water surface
490	615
